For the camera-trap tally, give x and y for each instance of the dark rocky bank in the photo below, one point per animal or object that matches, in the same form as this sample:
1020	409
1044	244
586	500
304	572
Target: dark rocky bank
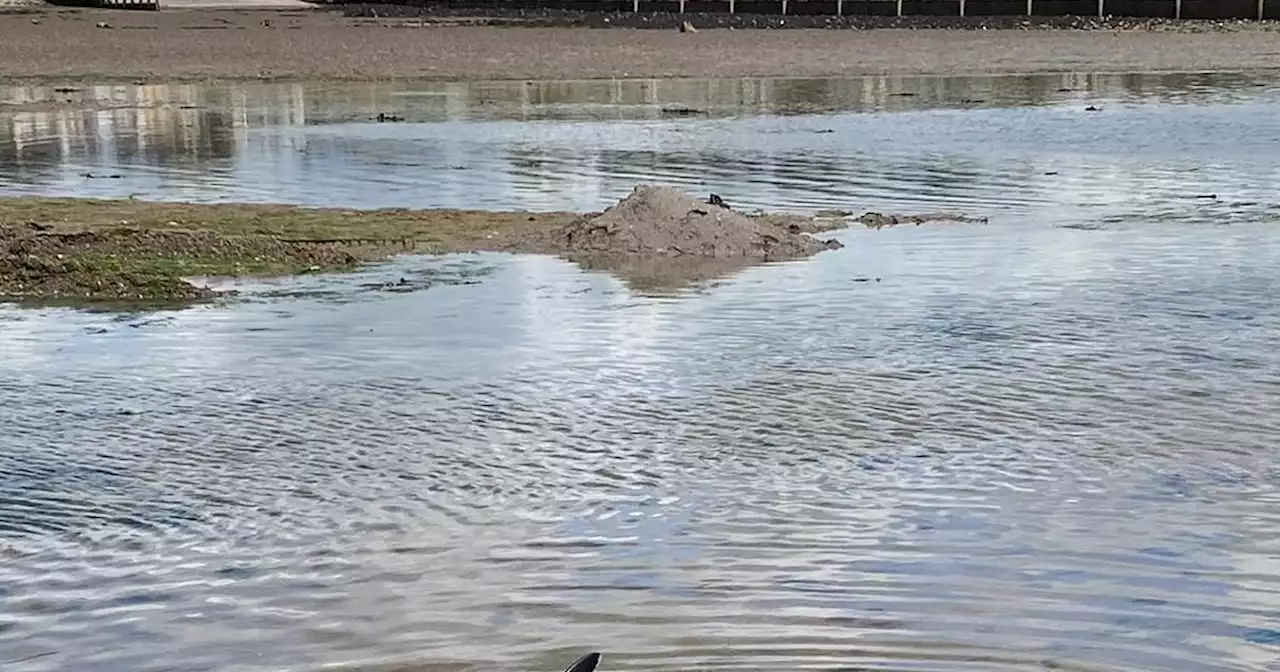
666	20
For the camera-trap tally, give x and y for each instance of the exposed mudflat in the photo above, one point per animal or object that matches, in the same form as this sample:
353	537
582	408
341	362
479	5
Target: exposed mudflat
134	264
60	249
93	250
275	44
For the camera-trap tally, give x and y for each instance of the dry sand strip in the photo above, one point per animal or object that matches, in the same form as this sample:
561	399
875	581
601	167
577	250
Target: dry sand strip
313	44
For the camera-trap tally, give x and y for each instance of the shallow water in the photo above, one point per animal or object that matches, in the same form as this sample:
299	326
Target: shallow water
982	144
1042	443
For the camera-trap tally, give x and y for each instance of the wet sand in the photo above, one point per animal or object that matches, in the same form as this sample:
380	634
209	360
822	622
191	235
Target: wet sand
126	250
289	44
55	249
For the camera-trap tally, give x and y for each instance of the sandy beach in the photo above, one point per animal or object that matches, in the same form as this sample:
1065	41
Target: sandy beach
192	44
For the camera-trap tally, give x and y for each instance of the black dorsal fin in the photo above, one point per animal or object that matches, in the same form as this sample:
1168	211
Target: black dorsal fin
586	663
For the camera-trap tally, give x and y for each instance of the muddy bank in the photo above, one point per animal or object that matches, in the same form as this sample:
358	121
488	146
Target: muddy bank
554	17
125	250
133	264
242	44
92	250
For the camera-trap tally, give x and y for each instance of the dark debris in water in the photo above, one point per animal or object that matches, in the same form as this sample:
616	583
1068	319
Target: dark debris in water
428	278
677	110
341	291
402	285
310	293
877	220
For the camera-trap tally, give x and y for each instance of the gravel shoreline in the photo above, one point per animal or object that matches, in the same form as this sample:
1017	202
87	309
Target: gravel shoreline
175	45
563	18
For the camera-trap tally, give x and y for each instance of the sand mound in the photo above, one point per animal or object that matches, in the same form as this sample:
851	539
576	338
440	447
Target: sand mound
661	238
663	222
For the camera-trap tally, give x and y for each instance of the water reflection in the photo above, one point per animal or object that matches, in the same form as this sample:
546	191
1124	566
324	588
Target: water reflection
1045	443
969	143
1028	447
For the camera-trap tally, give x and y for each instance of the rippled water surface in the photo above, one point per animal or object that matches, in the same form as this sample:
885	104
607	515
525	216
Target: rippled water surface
1047	442
975	143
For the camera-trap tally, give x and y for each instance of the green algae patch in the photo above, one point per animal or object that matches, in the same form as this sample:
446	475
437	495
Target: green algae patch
68	249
